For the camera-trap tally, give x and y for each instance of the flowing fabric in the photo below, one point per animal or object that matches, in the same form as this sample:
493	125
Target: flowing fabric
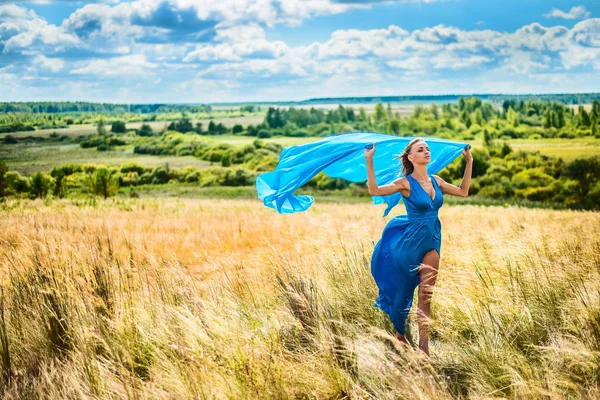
341	156
406	238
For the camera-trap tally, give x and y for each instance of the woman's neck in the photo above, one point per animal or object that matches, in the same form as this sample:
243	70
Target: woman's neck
420	173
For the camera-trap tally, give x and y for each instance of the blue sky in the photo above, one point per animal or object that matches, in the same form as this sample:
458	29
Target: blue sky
201	51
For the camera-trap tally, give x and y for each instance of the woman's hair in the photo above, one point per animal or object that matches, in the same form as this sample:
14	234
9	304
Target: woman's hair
407	166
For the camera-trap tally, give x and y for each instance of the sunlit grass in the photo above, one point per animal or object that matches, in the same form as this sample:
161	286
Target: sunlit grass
227	299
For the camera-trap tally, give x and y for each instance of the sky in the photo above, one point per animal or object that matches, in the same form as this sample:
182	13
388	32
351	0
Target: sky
207	51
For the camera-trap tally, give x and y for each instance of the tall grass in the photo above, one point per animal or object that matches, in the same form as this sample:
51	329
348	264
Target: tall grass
226	299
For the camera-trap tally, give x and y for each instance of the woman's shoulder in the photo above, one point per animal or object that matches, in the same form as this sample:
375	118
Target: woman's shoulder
438	179
402	182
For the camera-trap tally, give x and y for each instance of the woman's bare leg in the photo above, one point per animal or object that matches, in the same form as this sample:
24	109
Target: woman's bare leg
427	277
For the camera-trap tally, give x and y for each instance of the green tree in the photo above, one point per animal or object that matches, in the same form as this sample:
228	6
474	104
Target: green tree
512	117
487	139
102	183
100	127
118	127
478	117
584	118
547	119
586	171
390	115
560	118
379	112
60	184
226	160
237	128
394	127
362	114
39	185
435	111
212	128
594	124
145	130
3	181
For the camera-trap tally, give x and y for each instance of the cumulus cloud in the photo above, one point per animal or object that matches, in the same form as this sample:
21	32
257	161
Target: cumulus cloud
22	34
52	64
225	46
577	12
131	66
12	11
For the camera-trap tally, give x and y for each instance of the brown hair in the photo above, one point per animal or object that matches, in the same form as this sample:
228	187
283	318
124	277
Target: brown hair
407	165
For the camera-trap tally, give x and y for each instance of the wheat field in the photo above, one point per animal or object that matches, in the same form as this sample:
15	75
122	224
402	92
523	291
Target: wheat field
226	299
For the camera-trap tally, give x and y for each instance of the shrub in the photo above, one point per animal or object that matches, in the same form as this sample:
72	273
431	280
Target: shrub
264	134
102	182
145	130
15	183
132	167
10	139
533	177
118	127
39	185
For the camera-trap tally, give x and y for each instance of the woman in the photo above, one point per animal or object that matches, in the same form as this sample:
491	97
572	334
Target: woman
408	253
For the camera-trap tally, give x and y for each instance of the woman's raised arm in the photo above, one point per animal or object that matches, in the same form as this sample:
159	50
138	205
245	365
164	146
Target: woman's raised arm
463	189
383	190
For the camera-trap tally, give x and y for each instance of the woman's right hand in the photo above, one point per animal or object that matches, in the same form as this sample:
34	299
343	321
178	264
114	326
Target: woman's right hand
370	152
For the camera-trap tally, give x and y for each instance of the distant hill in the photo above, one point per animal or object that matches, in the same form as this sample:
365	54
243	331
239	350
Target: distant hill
109	108
565	98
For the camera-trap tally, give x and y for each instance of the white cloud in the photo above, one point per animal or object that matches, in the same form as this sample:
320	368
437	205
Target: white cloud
12	11
29	32
456	61
575	13
131	66
52	64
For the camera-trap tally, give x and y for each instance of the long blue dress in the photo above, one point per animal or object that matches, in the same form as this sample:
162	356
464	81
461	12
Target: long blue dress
404	242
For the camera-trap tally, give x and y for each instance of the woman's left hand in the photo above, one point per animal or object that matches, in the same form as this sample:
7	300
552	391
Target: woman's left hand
467	153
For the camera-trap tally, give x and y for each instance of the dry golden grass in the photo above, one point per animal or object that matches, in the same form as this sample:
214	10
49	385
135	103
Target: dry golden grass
227	299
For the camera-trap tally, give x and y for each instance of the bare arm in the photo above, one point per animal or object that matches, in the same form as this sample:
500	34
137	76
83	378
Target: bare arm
383	190
463	189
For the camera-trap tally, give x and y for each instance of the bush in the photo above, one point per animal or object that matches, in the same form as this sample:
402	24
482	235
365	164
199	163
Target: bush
102	183
39	185
533	177
15	183
145	130
116	142
66	170
3	183
132	167
118	127
10	139
264	134
161	175
238	177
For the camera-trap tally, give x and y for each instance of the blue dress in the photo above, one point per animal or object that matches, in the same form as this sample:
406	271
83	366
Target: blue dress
404	242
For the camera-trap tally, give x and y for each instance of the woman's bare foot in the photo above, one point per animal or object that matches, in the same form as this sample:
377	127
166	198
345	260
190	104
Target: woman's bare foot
402	340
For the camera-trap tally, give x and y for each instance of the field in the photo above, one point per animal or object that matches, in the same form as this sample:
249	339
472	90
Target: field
28	158
88	129
196	298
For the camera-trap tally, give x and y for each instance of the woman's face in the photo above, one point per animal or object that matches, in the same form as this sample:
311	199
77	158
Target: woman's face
419	153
